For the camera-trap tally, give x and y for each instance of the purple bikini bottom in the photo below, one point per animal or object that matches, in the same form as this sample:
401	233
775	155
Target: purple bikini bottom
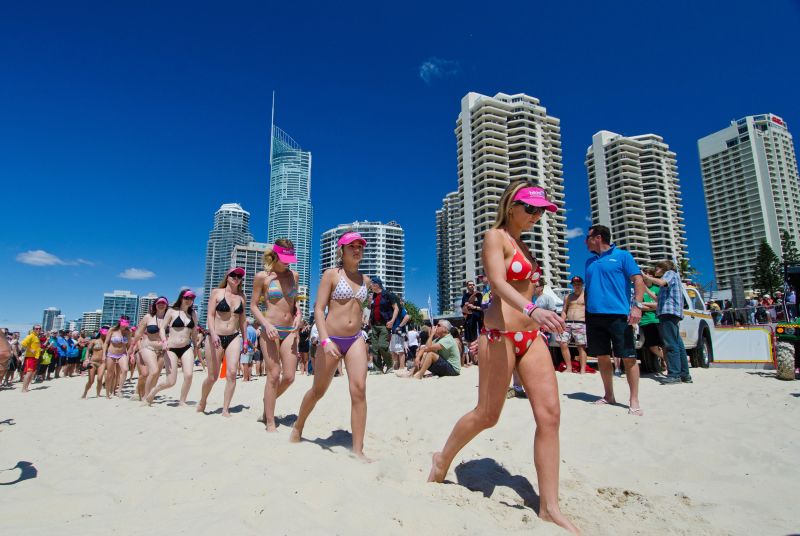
344	343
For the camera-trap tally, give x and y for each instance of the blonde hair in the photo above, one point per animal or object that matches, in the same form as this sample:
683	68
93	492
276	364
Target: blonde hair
340	249
270	257
504	211
507	199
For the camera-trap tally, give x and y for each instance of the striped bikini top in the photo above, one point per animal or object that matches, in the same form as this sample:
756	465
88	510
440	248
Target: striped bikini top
344	291
275	292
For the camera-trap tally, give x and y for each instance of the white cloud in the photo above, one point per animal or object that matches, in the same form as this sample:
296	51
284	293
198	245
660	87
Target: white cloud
137	273
434	67
575	232
40	257
588	219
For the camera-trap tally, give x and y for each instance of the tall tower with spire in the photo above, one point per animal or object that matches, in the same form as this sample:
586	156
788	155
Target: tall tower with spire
290	211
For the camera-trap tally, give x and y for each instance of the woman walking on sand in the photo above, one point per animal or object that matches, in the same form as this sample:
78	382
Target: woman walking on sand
511	340
116	348
152	343
279	322
227	326
342	290
181	319
96	363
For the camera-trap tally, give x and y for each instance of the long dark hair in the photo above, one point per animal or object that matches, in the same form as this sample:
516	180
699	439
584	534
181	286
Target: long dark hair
177	304
153	305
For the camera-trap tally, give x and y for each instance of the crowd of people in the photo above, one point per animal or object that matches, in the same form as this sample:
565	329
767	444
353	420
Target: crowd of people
360	327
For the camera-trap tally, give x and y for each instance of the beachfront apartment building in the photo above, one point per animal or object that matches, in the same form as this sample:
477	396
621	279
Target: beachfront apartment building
447	230
290	212
145	302
635	192
384	255
118	303
91	321
48	318
500	139
231	229
752	192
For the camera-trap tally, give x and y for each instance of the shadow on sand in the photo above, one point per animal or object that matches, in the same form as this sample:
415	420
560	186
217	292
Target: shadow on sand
286	420
9	422
485	474
338	438
26	472
233	409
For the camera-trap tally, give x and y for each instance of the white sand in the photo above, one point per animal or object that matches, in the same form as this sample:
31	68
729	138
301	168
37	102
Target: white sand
706	458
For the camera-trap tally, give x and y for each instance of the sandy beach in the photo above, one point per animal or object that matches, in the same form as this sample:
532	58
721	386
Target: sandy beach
713	457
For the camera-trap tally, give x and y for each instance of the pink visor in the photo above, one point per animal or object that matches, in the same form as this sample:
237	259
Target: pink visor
161	300
285	255
238	270
535	197
104	331
349	238
124	323
189	294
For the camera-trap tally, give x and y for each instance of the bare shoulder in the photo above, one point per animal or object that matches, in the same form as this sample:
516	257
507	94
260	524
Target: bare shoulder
367	280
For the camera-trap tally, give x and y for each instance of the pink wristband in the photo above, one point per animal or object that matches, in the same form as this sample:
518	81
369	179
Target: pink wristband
528	309
326	341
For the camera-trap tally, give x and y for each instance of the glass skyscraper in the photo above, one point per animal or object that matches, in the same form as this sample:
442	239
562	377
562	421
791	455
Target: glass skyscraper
290	212
231	229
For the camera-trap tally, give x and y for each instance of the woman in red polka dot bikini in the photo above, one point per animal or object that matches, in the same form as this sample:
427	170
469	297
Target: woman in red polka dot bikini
511	340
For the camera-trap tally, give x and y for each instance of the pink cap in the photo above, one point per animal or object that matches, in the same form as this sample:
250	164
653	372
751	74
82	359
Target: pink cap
189	293
535	197
238	270
123	323
349	238
285	255
162	300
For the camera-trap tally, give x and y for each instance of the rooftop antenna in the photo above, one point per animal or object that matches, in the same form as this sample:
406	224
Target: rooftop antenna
272	129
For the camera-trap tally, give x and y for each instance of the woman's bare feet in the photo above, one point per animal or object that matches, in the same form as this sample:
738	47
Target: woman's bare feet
438	472
201	406
559	519
270	427
362	457
181	404
295	435
226	413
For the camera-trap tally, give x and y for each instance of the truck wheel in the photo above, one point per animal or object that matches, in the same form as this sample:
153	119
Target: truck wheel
704	353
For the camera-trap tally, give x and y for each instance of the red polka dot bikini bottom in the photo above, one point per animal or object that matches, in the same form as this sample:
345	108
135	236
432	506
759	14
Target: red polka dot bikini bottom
521	340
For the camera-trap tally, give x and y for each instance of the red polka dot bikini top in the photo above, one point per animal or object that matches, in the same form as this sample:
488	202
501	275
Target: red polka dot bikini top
520	268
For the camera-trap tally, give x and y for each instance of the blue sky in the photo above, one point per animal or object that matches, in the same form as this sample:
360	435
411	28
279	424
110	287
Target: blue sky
124	126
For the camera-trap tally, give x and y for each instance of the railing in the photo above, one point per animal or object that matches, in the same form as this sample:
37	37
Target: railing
754	316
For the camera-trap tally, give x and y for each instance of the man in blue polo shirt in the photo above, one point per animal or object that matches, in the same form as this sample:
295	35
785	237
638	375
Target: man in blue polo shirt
610	313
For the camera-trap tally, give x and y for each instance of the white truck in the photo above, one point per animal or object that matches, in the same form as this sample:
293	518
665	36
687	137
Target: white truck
696	329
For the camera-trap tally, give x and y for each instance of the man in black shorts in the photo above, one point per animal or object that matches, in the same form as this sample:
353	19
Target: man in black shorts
610	313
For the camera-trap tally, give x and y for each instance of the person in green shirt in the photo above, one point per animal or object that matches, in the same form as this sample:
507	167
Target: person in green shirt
440	356
649	322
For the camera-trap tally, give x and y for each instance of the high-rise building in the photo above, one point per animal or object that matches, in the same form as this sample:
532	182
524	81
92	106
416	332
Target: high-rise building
118	303
752	194
74	325
448	227
144	304
384	255
59	323
290	211
49	317
231	229
634	191
250	257
91	321
500	139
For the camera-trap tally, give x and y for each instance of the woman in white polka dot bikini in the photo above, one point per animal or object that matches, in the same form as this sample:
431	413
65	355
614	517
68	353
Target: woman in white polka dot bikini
511	340
343	303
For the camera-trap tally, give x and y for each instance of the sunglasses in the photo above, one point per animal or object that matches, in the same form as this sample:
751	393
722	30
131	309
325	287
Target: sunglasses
235	276
531	210
188	297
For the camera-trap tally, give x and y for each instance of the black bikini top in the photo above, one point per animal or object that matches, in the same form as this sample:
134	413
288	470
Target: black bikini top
178	322
223	307
152	328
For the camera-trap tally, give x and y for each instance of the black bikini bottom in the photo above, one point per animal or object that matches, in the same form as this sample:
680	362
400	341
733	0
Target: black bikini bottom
180	351
226	340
